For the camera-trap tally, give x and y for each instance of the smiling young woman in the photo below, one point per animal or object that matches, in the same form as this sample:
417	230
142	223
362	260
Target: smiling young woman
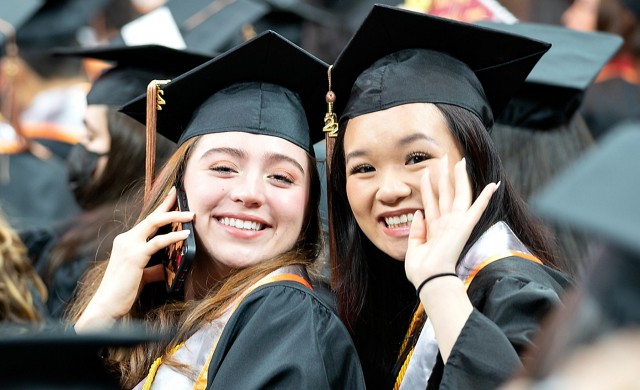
422	211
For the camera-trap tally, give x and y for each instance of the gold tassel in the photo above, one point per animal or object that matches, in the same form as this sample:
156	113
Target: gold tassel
331	132
330	118
154	104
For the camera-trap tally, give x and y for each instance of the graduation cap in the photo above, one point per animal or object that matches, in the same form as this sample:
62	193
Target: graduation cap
398	57
55	358
267	85
554	89
135	67
215	26
16	13
601	191
56	21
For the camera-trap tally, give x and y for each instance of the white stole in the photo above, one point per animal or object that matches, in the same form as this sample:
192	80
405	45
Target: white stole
498	238
197	350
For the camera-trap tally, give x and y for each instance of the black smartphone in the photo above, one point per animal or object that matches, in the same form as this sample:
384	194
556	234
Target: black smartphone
179	256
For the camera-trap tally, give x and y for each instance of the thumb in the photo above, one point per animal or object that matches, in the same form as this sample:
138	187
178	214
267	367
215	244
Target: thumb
418	230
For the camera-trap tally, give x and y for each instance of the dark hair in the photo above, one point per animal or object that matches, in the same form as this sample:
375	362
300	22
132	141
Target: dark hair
531	157
374	298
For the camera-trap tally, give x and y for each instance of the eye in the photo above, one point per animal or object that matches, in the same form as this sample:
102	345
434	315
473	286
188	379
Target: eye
223	169
282	179
417	157
362	168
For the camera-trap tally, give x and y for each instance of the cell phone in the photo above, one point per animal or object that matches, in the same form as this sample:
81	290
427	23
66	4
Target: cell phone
179	256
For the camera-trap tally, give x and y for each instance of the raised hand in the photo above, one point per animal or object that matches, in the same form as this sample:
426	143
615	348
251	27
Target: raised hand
127	271
437	238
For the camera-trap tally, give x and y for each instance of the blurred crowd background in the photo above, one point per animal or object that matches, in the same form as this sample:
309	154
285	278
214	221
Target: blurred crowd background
69	165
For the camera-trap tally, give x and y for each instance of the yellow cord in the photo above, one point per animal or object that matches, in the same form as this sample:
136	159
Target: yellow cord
154	368
412	328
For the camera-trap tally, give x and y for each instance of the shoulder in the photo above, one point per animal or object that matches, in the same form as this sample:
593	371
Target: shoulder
524	270
516	276
286	295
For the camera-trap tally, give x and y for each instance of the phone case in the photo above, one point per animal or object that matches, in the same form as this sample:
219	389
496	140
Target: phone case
179	256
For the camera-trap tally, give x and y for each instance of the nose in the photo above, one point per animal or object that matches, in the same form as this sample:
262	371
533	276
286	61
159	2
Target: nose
249	190
392	187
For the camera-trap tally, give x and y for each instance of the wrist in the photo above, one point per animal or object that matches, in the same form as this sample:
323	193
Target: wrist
93	319
432	278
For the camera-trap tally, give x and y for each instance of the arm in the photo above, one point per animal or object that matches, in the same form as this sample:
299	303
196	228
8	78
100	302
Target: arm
490	346
435	244
281	336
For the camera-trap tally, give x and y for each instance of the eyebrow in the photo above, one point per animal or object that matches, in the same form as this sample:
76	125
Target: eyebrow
239	153
277	157
226	150
409	139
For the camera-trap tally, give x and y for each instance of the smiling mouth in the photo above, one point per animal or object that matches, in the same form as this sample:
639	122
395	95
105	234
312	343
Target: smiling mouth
398	221
241	224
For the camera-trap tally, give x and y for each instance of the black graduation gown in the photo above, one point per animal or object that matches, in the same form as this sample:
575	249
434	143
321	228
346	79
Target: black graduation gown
283	336
510	298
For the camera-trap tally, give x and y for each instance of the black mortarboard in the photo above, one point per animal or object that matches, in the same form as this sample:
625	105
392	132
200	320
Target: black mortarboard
601	191
554	89
215	26
267	85
398	57
61	359
17	12
135	67
57	21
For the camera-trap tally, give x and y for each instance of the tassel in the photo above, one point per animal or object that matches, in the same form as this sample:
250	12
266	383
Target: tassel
330	118
331	132
154	104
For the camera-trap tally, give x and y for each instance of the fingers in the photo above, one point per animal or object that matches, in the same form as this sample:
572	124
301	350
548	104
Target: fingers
480	204
418	230
463	192
445	192
167	203
164	240
429	202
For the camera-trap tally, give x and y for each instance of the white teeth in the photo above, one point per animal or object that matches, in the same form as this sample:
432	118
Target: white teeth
399	221
240	224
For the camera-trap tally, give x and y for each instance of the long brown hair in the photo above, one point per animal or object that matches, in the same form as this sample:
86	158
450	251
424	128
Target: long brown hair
18	280
374	297
161	314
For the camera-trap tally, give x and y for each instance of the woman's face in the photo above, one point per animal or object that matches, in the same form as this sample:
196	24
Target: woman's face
582	15
98	139
249	194
386	153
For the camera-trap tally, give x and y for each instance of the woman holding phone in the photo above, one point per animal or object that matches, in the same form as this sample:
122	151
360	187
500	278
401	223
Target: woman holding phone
249	318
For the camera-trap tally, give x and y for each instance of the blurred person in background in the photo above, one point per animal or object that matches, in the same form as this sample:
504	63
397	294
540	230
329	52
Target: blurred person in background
107	168
541	132
594	342
22	292
615	95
